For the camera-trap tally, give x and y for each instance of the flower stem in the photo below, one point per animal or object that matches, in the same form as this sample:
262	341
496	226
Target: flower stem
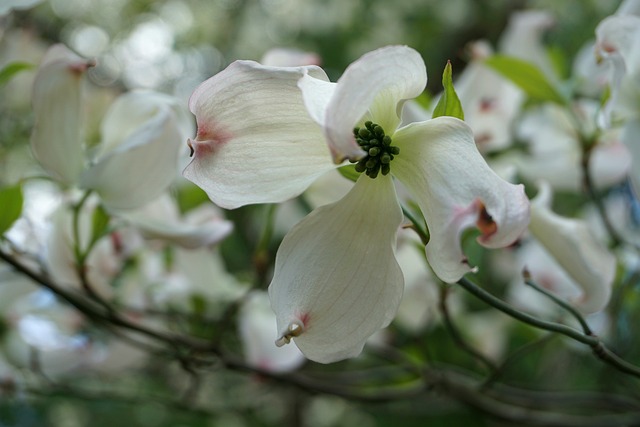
417	226
597	346
583	323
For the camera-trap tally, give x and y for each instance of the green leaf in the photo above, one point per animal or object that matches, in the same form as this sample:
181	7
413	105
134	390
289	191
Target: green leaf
198	304
449	103
12	69
349	172
11	201
528	77
100	224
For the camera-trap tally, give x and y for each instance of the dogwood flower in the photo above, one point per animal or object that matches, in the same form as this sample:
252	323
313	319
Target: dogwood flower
554	153
618	47
490	102
571	243
336	279
140	135
522	38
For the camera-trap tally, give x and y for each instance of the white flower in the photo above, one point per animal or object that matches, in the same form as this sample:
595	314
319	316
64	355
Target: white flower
570	242
43	328
555	154
618	45
490	101
286	57
336	279
141	134
523	39
196	280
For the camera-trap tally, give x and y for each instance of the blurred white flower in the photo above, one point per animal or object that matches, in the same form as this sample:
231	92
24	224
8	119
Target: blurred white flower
103	263
490	102
569	241
287	57
194	279
618	46
522	38
555	152
161	219
141	135
45	333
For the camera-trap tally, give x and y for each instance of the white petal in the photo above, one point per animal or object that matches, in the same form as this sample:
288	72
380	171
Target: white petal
442	168
336	278
618	36
132	109
389	76
256	142
317	94
629	7
160	220
287	57
490	101
49	328
140	168
329	188
199	266
618	43
545	271
571	243
523	39
611	161
56	140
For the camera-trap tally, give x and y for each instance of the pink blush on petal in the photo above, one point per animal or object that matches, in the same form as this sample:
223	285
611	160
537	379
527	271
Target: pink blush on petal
208	140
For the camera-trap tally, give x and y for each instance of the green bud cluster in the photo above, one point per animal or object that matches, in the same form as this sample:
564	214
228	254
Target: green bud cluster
379	150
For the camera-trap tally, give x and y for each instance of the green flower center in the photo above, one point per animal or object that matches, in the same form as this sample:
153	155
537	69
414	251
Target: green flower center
379	150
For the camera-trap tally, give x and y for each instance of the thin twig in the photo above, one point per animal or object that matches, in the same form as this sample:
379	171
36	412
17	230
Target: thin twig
422	232
583	323
597	346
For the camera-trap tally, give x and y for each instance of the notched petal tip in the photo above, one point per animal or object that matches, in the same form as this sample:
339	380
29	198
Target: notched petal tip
353	156
191	149
485	223
295	329
207	142
471	268
79	68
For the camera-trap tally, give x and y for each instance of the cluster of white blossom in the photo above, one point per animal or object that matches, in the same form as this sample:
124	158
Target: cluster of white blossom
394	186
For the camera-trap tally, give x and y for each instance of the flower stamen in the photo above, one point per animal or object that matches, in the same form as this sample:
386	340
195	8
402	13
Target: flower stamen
378	147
